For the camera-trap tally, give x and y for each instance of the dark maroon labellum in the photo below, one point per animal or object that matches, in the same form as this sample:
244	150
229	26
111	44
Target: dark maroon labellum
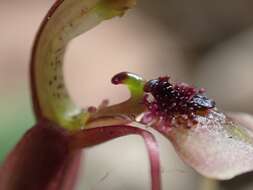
175	99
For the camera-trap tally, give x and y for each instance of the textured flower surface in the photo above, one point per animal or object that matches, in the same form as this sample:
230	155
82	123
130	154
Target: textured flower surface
48	155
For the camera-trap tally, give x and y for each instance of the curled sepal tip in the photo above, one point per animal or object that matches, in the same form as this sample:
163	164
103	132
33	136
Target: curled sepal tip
117	7
94	136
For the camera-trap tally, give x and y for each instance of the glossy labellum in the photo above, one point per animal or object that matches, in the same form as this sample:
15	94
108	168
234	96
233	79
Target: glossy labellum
208	140
214	144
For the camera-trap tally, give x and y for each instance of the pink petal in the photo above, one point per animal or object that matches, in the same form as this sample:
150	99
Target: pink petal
94	136
216	147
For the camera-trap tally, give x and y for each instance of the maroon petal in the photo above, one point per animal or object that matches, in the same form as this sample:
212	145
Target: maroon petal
48	157
67	176
38	159
94	136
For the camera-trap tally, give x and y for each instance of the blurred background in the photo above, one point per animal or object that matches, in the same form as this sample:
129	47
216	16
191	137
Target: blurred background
207	43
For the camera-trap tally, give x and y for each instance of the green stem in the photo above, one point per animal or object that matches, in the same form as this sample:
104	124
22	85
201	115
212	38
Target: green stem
66	20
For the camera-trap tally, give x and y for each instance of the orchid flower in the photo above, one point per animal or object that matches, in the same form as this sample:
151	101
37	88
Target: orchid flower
48	155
